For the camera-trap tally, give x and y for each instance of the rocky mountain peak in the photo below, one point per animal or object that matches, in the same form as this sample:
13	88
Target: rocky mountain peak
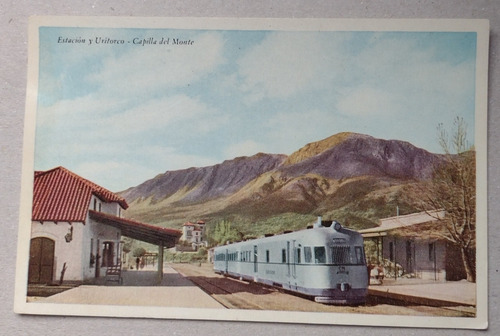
317	147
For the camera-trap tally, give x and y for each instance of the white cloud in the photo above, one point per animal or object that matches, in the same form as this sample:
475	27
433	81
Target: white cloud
129	168
139	72
368	101
394	76
115	175
85	110
156	114
285	64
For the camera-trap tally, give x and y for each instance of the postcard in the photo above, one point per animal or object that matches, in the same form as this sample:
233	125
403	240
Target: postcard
314	171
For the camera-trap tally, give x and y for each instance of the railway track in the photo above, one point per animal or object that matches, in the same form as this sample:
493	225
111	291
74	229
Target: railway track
223	291
236	294
231	293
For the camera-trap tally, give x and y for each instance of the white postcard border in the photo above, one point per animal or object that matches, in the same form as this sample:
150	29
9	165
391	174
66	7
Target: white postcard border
452	25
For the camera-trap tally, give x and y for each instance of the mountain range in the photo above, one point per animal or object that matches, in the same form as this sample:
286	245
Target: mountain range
353	177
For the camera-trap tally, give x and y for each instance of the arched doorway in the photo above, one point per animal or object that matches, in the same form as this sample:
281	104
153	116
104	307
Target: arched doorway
41	264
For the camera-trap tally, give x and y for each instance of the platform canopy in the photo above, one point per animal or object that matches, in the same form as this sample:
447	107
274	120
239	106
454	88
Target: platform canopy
140	231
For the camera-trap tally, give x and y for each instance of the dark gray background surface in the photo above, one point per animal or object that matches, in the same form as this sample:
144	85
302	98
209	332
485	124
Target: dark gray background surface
13	60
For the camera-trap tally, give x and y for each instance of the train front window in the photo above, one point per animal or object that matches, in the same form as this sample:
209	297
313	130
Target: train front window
319	255
360	259
341	255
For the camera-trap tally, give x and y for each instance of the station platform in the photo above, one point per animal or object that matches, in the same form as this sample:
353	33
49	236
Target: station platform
139	288
429	293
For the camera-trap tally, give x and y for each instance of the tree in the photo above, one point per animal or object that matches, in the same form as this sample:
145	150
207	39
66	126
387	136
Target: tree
127	244
223	233
453	189
139	252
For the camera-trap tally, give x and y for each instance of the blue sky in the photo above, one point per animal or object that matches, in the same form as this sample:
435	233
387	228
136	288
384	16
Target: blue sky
121	114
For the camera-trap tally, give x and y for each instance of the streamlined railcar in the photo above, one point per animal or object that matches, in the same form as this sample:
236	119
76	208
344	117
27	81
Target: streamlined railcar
326	263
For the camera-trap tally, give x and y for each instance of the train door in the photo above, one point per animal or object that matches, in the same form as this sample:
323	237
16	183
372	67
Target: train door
288	258
226	261
291	265
255	263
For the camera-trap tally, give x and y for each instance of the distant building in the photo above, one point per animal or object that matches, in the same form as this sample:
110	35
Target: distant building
408	246
193	236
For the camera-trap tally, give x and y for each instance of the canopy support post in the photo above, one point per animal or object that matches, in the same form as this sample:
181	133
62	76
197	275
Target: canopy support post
160	262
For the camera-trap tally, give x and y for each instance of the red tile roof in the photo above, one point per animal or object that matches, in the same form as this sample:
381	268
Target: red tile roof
61	195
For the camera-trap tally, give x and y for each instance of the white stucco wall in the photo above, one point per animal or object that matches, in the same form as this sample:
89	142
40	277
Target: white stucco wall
427	268
112	208
86	236
95	235
64	252
423	266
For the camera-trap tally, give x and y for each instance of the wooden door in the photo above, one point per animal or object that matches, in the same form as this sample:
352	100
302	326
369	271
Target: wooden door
41	264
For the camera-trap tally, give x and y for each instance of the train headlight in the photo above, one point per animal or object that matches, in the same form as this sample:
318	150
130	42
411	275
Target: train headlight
337	226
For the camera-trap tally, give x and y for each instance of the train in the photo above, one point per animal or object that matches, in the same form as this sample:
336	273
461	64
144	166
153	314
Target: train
325	262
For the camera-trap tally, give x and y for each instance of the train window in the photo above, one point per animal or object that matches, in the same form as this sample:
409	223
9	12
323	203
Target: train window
307	254
319	255
267	256
283	255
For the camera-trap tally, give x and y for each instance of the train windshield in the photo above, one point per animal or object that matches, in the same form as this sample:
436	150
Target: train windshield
319	255
346	255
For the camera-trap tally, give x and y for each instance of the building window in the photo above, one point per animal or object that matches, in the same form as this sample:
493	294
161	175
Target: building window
283	255
267	256
92	257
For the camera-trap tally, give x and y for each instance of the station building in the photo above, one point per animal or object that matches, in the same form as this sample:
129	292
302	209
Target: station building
408	246
77	227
